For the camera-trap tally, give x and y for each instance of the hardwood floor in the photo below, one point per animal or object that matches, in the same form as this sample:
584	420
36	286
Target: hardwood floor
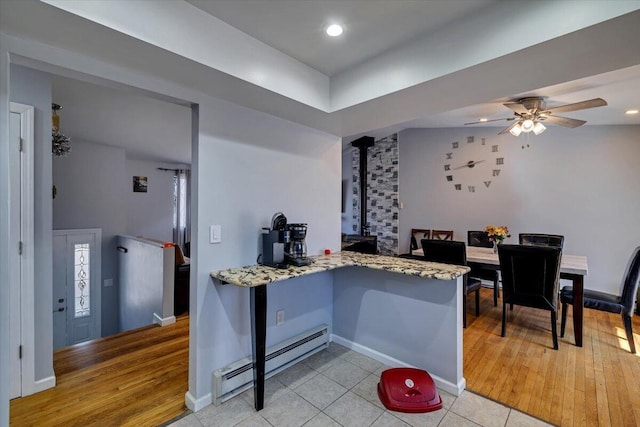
137	378
598	384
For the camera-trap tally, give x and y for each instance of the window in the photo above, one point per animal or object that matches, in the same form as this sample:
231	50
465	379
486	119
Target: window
81	280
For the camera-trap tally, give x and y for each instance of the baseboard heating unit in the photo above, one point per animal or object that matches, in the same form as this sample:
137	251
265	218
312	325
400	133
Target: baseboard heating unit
238	376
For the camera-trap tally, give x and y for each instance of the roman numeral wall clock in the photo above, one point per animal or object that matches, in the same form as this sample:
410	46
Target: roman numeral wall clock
472	165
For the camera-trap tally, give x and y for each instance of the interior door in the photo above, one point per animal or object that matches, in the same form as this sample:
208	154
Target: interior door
76	286
15	287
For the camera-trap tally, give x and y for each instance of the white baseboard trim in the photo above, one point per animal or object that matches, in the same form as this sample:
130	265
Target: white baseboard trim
43	384
197	404
449	387
163	321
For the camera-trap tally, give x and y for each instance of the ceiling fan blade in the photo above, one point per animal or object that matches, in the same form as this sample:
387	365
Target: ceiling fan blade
517	107
494	120
507	129
583	105
564	121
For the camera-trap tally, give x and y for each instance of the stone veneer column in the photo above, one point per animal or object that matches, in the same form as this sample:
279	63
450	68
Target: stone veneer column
382	193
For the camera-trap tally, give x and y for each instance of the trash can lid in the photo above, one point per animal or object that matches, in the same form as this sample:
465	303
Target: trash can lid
408	390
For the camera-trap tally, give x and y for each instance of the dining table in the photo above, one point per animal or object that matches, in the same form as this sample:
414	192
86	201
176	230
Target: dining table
572	267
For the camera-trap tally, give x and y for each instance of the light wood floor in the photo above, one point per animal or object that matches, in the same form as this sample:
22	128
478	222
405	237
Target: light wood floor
598	384
138	378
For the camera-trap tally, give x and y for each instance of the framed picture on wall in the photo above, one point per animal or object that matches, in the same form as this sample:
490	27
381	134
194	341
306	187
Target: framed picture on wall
139	184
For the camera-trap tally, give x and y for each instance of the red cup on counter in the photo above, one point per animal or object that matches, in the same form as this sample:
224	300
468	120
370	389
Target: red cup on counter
327	251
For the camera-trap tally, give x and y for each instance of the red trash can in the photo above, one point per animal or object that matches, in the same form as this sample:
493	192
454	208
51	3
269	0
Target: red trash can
408	390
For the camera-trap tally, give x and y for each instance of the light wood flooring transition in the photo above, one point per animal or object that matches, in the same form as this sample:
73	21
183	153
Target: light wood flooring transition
137	378
596	385
140	377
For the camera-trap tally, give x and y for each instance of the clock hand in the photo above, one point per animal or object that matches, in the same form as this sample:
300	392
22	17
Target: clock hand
469	164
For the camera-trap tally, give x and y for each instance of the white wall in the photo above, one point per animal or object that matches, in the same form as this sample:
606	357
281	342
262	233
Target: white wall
582	183
150	214
33	87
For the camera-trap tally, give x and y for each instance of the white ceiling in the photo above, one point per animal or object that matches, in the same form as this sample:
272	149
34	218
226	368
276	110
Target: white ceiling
371	27
374	31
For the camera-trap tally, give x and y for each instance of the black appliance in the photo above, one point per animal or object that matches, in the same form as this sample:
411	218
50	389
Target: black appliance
274	240
296	248
362	244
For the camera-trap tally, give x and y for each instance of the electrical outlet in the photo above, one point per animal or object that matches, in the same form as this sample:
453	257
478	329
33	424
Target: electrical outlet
279	317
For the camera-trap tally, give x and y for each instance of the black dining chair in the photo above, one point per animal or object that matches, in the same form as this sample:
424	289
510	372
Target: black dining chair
417	234
481	239
530	276
451	252
621	304
540	239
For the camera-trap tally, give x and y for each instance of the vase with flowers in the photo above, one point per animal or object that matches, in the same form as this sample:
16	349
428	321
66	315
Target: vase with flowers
497	234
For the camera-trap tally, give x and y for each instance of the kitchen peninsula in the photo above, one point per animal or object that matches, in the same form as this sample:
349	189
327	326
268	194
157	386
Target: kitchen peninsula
399	311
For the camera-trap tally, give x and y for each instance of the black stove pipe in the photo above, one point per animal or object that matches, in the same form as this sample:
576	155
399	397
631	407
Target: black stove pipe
362	144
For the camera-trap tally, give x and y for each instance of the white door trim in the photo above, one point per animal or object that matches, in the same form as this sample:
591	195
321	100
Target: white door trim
21	229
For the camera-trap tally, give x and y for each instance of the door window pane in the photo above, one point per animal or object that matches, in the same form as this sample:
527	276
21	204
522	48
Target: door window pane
81	279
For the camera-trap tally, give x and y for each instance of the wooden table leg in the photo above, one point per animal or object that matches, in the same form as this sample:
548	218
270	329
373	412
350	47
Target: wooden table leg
258	341
578	304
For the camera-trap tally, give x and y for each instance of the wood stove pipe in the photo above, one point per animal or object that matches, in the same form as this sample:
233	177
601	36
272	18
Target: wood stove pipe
362	144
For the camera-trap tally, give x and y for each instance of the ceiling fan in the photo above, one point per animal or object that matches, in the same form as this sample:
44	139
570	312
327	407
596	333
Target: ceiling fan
531	112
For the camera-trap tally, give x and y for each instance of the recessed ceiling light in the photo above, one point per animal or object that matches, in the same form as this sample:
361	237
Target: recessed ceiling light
483	119
631	112
334	30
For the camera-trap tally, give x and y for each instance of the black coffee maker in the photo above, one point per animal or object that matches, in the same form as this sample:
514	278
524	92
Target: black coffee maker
274	241
296	250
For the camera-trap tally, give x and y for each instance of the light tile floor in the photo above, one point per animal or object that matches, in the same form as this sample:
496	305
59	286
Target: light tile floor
337	387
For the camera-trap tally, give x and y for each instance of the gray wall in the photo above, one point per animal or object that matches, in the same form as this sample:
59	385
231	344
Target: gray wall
251	165
33	87
582	183
347	193
150	214
91	184
95	189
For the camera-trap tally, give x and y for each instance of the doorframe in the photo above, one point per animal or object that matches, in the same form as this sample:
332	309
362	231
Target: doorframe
22	266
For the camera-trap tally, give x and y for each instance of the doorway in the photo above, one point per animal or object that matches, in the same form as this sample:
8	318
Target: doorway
77	270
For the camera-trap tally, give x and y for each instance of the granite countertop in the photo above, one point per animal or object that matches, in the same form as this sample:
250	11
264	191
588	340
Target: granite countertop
258	275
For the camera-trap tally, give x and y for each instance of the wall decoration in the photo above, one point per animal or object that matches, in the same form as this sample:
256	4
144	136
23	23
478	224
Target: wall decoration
60	143
139	184
472	165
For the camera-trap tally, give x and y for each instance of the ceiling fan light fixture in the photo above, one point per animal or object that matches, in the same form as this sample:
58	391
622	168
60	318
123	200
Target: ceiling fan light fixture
539	128
527	125
516	130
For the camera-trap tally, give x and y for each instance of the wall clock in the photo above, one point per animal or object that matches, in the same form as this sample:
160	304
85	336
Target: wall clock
472	164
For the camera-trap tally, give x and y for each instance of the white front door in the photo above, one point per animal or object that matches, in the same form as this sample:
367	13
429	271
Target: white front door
76	286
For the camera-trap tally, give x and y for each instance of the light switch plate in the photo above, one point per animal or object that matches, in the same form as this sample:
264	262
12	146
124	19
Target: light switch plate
215	234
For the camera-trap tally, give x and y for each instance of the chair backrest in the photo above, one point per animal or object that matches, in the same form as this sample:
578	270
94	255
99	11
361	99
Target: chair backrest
479	238
540	239
631	283
530	275
442	234
444	251
418	234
